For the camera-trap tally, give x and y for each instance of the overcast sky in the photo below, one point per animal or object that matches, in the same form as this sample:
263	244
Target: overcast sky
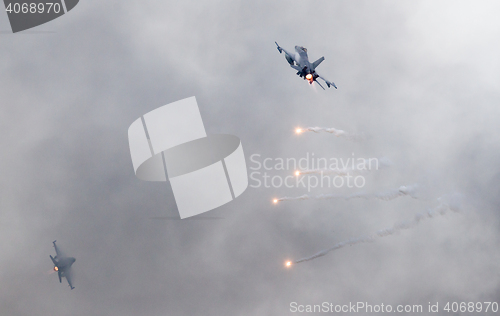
419	79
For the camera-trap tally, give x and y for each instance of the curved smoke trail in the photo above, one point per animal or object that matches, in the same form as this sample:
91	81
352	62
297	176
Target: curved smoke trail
441	209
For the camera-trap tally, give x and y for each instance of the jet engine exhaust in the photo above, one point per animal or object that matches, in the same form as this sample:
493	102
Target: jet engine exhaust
309	78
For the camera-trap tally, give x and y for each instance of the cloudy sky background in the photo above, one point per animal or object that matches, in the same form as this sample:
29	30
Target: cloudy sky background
420	79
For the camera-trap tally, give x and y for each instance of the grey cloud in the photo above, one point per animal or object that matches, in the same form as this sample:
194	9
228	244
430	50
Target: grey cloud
68	98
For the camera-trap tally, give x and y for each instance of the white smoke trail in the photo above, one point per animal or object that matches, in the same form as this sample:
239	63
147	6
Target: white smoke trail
441	209
410	190
334	131
339	172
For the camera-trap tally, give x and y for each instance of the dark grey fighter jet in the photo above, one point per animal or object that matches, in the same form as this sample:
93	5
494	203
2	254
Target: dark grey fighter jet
299	61
62	265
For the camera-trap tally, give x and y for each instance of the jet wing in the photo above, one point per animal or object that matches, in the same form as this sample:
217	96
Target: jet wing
58	252
317	62
68	274
328	83
289	54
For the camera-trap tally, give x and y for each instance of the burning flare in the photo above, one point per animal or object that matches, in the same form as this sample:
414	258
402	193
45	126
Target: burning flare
56	268
288	264
337	132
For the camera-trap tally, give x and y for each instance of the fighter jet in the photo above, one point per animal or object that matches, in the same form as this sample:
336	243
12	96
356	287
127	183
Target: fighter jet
62	265
299	61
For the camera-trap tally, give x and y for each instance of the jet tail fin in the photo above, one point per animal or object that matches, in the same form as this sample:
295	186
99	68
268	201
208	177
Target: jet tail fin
319	84
53	260
278	47
330	83
317	62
